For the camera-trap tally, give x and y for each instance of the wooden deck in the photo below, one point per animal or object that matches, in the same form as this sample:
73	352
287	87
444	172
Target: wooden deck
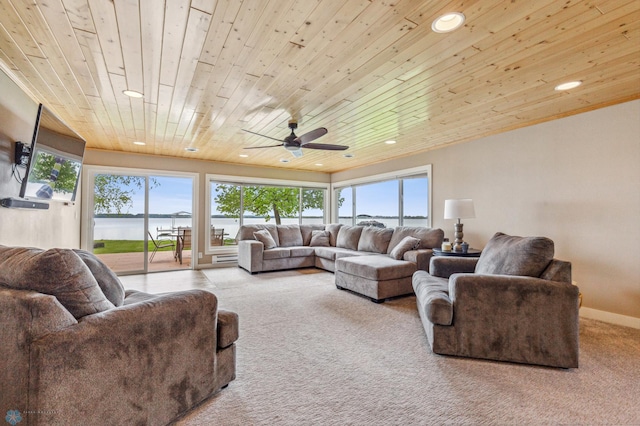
162	261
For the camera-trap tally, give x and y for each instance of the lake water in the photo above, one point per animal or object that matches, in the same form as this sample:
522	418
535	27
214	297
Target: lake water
133	228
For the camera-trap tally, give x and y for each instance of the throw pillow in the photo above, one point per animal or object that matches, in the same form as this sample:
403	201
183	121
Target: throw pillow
107	280
265	238
407	244
319	239
58	272
429	237
348	237
510	255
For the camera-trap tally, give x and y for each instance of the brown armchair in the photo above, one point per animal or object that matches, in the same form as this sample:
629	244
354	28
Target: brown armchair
515	303
78	349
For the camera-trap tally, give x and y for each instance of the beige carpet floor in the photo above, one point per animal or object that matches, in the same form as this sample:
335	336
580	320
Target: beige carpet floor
310	354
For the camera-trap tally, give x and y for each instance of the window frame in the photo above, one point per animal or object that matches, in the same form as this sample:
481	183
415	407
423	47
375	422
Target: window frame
250	181
384	177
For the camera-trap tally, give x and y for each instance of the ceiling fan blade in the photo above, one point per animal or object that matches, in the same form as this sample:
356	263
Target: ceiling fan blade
326	146
297	153
260	147
264	136
311	136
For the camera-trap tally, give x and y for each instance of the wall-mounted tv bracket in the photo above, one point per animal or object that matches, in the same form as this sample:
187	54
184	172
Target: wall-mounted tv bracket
22	154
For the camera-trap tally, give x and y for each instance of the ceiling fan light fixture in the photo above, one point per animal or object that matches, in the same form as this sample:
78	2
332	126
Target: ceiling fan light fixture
133	94
568	85
448	22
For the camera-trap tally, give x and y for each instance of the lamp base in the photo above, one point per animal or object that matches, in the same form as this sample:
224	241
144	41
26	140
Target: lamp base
457	244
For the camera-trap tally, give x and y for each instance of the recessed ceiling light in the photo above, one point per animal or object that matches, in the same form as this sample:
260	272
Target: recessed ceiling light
190	149
319	164
243	155
348	155
133	94
284	160
390	142
568	85
139	143
448	22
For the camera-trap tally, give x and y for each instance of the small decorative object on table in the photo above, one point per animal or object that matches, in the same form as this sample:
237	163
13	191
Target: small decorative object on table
465	247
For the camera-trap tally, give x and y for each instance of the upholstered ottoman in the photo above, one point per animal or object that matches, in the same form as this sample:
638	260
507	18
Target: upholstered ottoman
377	276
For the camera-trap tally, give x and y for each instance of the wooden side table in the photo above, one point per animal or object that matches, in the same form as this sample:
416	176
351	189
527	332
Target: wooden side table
470	253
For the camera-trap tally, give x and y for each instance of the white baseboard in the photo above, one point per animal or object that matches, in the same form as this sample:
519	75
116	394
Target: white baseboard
610	317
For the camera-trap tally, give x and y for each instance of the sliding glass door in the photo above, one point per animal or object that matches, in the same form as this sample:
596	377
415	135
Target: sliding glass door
141	222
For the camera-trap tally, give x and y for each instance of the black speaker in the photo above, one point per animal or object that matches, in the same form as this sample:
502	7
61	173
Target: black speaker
15	203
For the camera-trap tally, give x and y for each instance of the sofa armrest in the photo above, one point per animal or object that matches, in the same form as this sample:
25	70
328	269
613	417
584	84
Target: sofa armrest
250	255
420	257
445	266
228	328
25	316
160	349
526	319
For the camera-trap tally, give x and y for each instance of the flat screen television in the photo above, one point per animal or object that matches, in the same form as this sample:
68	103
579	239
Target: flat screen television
55	162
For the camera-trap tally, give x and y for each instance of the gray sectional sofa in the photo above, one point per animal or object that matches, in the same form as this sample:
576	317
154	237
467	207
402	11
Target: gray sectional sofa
375	262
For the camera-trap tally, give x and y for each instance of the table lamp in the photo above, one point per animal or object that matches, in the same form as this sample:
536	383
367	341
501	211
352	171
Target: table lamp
459	209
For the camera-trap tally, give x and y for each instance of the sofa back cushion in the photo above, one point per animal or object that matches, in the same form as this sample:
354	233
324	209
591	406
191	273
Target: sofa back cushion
246	231
319	239
375	240
107	280
348	237
58	272
333	229
429	238
307	229
511	255
289	235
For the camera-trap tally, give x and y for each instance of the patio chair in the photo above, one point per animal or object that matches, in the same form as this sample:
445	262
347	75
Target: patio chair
159	244
184	241
217	236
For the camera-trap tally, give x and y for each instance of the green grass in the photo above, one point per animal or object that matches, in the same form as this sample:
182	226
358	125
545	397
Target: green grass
124	246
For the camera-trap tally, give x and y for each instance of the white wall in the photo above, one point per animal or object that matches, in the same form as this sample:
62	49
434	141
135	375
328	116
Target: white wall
57	227
575	180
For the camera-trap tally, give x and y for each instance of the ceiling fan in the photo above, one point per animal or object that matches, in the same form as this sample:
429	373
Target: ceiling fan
293	143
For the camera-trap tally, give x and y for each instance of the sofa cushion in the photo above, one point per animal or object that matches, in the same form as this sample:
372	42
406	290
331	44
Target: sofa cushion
289	235
276	253
511	255
302	251
375	240
246	231
432	294
107	280
348	237
407	244
429	238
320	239
333	253
333	229
265	237
58	272
307	229
375	267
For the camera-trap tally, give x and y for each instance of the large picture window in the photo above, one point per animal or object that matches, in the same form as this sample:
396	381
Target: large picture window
387	200
235	204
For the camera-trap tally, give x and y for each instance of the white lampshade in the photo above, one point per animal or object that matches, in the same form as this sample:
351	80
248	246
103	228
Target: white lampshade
459	209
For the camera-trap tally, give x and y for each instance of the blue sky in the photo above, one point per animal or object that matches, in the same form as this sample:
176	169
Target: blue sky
174	194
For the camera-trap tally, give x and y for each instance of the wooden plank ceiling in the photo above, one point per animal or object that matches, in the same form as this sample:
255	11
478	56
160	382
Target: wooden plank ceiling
367	70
